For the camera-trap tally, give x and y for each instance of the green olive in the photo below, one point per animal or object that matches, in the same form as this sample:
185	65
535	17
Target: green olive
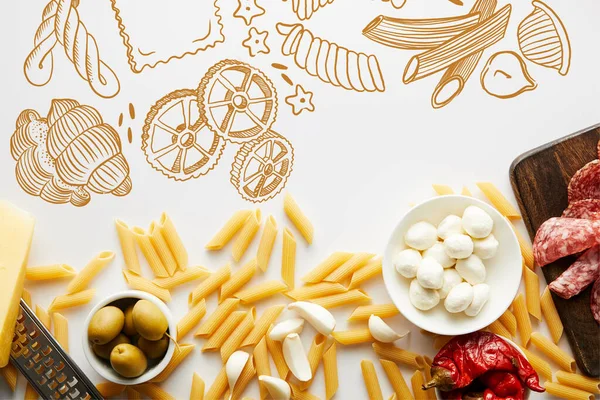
149	321
128	328
104	350
156	349
128	361
106	325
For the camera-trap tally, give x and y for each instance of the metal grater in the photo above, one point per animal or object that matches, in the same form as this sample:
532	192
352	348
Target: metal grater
45	364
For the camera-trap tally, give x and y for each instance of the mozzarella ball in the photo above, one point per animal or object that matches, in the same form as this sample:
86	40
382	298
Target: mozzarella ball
477	222
471	270
485	248
451	279
421	298
481	294
407	262
458	246
451	225
459	298
430	274
438	253
421	236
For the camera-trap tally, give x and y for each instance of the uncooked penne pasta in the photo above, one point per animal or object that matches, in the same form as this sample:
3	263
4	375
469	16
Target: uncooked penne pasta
442	190
191	319
326	267
162	249
396	354
181	352
71	300
466	192
261	291
362	313
246	235
567	392
149	252
352	337
526	248
499	329
288	259
132	394
84	277
267	241
197	391
226	233
237	280
509	321
61	330
416	382
369	271
440	341
27	297
10	375
371	380
276	352
541	366
216	340
313	291
298	218
354	296
551	317
248	373
128	247
298	394
315	354
523	321
153	391
43	316
578	381
396	380
137	282
427	372
498	200
553	352
30	393
235	339
211	284
189	275
49	272
168	231
262	364
532	293
261	326
109	389
218	387
330	370
356	262
218	316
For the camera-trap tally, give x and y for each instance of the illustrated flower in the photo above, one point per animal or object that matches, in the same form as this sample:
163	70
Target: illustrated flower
300	101
256	42
248	10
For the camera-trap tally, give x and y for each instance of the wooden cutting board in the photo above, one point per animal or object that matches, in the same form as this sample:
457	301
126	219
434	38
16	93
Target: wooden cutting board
540	179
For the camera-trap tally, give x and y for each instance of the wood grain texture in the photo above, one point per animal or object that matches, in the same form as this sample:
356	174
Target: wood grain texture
540	179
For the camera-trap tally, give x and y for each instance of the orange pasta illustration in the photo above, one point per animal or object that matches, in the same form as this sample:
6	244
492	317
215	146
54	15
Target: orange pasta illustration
68	155
505	75
304	9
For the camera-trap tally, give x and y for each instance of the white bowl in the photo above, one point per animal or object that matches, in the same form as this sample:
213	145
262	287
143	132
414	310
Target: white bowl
503	271
103	366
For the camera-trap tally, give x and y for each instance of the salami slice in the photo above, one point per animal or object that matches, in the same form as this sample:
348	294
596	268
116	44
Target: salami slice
595	301
561	237
584	209
599	149
578	276
585	184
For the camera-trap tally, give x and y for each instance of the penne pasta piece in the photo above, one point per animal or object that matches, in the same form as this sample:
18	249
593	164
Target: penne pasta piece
526	248
363	313
235	339
84	277
216	340
551	317
109	389
312	291
162	249
356	262
10	375
369	271
153	391
352	337
276	351
149	252
354	296
210	284
246	236
128	248
498	200
168	231
416	382
217	318
43	316
132	394
499	329
218	387
371	380
189	275
180	354
137	282
49	272
396	354
430	393
440	341
509	321
315	354
71	300
330	370
540	365
396	380
30	393
248	373
326	267
298	218
466	192
567	392
442	190
261	291
532	293
226	233
578	381
267	241
298	394
288	259
237	280
553	352
262	364
191	319
522	317
61	331
261	327
197	391
26	296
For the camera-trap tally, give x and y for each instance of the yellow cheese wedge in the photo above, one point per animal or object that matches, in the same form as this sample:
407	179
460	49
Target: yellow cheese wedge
16	232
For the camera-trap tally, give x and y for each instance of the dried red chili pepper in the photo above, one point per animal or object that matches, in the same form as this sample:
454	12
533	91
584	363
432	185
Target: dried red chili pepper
502	386
465	358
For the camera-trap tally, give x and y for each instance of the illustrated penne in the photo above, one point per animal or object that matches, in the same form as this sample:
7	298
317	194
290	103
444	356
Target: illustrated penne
288	259
226	233
440	341
109	389
235	339
352	337
578	381
330	370
218	387
442	190
396	380
276	352
49	272
262	364
315	355
191	319
369	271
499	329
248	373
168	231
181	352
61	330
532	292
71	300
216	340
298	218
498	200
267	241
396	354
345	270
553	352
509	321
43	316
354	296
10	375
326	267
238	279
246	235
153	391
182	277
149	252
137	282
197	391
522	317
261	326
416	382
215	320
313	291
371	380
26	295
541	366
133	394
260	291
162	249
362	313
526	248
85	276
551	317
128	246
567	392
210	284
466	192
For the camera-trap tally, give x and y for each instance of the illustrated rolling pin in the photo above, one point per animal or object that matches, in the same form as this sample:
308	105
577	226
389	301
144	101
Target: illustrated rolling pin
330	62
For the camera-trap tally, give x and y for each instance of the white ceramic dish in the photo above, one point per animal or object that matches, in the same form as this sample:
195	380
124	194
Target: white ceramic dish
503	271
103	366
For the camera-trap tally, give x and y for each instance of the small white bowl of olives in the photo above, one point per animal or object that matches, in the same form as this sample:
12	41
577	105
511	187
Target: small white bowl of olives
130	337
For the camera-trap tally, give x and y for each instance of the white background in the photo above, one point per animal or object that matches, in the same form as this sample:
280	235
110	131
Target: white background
360	158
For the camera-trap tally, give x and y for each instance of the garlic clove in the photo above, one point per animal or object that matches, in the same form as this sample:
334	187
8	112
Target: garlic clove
277	388
316	315
295	358
382	331
505	75
284	328
234	367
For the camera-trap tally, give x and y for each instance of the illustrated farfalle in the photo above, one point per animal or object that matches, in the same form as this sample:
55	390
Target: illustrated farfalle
72	152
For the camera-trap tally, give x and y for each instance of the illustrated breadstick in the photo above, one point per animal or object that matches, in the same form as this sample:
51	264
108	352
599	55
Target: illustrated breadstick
330	62
304	9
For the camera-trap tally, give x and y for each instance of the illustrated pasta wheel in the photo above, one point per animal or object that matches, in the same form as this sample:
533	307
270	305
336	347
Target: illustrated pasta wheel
261	168
176	139
238	100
